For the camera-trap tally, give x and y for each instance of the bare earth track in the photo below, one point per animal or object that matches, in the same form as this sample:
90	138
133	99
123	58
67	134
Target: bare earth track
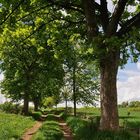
30	132
66	130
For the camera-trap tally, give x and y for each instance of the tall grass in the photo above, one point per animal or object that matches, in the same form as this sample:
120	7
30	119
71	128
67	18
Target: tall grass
88	130
49	131
128	117
13	126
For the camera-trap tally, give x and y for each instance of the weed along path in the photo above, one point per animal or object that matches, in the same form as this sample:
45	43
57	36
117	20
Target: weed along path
66	130
31	131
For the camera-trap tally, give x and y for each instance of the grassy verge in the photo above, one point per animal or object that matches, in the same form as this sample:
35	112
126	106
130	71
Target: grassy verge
128	117
49	131
13	126
87	130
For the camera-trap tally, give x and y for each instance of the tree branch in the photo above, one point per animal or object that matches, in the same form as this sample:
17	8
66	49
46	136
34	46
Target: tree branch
128	25
16	7
66	5
104	14
119	9
89	8
36	10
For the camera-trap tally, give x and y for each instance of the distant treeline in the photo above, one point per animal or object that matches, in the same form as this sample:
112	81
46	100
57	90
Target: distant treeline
130	104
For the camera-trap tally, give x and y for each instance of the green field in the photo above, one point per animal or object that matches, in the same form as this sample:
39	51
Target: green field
13	126
129	117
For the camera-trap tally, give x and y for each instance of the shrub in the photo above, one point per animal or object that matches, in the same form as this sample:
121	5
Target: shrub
9	107
88	130
51	117
135	109
36	115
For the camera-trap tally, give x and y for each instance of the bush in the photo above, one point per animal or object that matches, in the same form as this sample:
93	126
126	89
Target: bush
88	130
83	129
36	115
9	107
51	117
135	109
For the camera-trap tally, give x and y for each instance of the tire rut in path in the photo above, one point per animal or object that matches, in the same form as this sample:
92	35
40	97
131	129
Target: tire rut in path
66	130
31	131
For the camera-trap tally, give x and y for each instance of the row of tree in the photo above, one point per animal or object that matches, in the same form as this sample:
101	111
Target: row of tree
39	62
42	39
130	104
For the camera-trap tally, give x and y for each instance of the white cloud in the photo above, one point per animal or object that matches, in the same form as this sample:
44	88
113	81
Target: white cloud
2	99
129	89
1	77
138	65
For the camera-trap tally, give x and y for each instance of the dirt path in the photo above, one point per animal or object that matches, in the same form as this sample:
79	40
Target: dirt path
66	130
29	133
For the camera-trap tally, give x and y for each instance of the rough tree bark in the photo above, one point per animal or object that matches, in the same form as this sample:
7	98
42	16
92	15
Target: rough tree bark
74	89
36	105
26	104
66	105
26	94
108	65
109	111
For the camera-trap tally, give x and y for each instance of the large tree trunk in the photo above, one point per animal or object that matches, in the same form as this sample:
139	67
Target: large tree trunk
26	104
74	89
36	105
109	111
66	105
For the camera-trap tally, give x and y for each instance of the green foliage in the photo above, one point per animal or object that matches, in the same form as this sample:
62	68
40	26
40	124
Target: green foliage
9	107
124	104
134	109
49	102
36	115
134	104
75	124
13	126
128	117
51	117
109	135
88	130
49	131
27	27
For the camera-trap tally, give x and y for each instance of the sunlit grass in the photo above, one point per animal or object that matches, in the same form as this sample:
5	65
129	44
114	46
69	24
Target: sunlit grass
50	130
13	126
127	116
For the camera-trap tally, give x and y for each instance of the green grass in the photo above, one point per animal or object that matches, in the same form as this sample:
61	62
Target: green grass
13	126
88	130
131	121
49	131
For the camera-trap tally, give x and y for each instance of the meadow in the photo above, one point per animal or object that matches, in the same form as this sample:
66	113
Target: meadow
87	127
13	126
128	117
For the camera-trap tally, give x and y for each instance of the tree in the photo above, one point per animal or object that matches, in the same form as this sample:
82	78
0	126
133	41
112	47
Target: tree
81	79
66	95
134	104
49	102
108	35
28	67
112	36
